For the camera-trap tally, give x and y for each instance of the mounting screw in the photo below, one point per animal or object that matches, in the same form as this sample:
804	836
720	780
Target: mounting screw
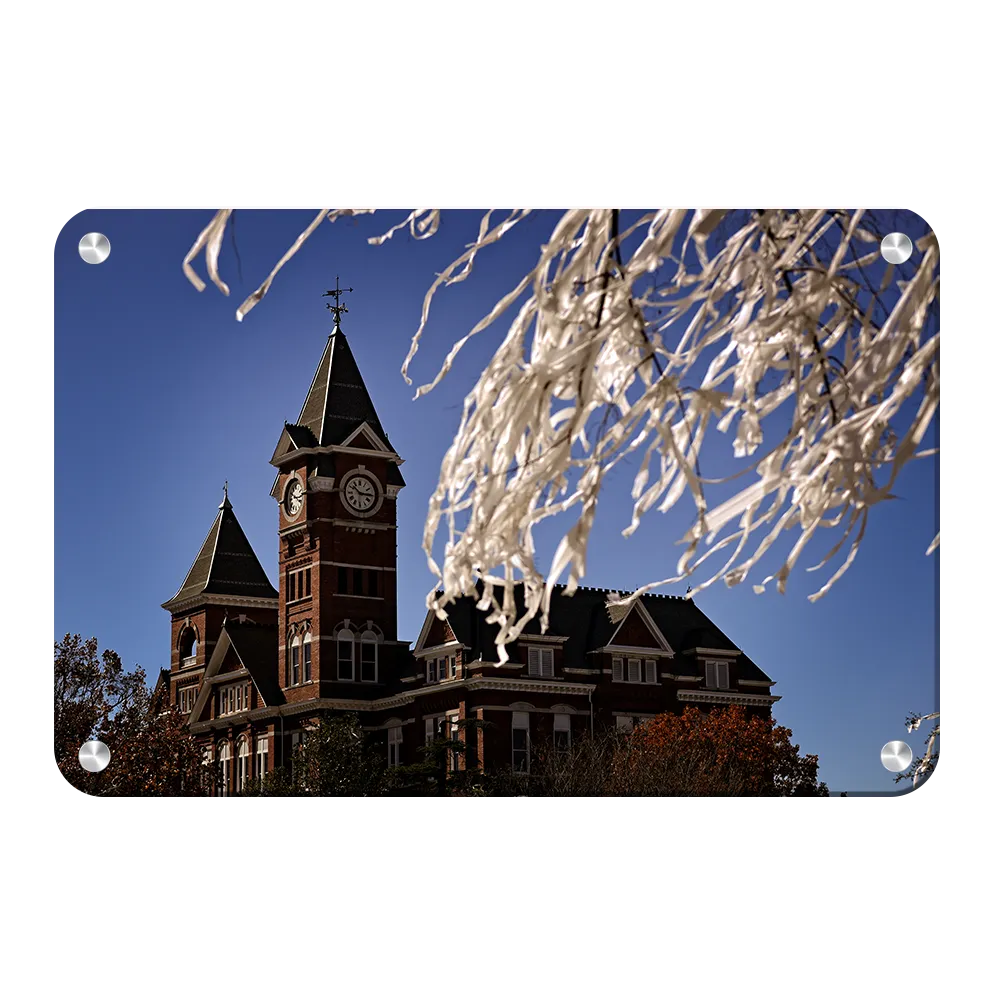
94	756
94	248
896	756
896	248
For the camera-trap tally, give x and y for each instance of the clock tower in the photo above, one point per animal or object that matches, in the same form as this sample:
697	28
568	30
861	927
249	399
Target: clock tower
336	488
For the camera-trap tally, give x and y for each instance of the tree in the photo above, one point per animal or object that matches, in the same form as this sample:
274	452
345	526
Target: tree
726	752
334	758
437	771
96	699
786	329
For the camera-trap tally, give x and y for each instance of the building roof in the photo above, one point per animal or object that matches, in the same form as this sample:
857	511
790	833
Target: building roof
226	563
586	621
257	648
338	401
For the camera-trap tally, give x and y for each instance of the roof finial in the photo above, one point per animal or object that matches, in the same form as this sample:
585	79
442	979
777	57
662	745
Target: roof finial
337	309
225	505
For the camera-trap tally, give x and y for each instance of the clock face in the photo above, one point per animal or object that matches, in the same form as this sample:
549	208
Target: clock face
360	494
293	498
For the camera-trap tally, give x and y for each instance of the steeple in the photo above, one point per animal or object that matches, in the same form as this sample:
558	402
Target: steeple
226	563
337	403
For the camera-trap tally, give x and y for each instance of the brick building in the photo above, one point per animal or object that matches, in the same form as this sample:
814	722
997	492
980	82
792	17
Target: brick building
255	667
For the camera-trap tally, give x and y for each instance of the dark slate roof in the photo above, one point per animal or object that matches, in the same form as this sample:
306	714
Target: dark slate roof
338	400
585	620
226	563
257	648
302	437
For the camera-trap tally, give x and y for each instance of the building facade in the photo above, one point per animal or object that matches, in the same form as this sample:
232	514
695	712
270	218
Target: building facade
254	668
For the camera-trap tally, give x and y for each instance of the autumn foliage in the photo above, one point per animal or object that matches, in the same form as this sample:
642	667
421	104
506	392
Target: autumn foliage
95	698
726	752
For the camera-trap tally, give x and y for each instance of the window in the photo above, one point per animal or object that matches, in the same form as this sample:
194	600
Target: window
242	763
432	670
717	674
369	656
341	579
188	646
345	655
373	583
234	698
561	735
453	735
431	729
539	662
307	657
358	582
261	764
294	672
395	745
224	769
630	670
298	584
624	723
520	742
186	698
451	666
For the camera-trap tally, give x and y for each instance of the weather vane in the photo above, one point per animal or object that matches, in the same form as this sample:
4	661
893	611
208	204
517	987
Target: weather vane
335	294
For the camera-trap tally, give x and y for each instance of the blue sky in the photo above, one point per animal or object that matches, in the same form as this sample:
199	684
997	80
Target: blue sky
161	396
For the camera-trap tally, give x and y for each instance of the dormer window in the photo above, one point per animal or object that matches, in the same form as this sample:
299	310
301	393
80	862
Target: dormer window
716	675
540	661
234	698
632	670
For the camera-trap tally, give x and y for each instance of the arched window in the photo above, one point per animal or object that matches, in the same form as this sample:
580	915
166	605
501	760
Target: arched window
307	657
242	763
345	655
225	769
188	645
369	656
293	670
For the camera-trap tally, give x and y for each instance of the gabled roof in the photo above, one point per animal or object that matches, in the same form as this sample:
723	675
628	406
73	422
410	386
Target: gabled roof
226	563
256	647
337	402
588	622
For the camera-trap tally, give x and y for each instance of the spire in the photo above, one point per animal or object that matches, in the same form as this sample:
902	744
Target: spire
336	406
337	402
226	563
